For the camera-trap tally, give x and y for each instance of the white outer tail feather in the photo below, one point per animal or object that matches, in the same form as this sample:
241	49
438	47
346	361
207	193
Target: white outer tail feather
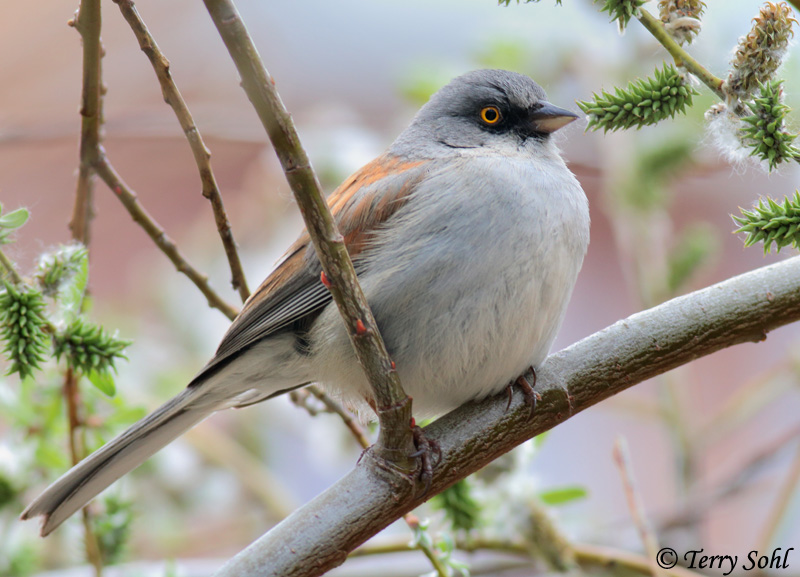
118	457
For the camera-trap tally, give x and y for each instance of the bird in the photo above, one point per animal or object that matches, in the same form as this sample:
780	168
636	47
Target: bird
467	235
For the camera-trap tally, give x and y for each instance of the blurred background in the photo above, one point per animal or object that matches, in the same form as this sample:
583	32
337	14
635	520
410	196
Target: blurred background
713	444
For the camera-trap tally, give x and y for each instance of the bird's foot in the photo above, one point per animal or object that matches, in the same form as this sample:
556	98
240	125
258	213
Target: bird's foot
525	382
428	452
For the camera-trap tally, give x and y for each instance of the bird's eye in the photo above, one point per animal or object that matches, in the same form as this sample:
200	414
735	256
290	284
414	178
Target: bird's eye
490	115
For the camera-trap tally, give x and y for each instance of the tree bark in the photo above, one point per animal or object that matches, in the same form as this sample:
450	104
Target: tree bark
318	536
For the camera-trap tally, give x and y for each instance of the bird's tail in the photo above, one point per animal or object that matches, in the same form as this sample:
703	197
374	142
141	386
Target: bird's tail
88	478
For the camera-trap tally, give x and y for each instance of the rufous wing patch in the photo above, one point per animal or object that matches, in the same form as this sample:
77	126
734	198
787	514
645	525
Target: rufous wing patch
357	214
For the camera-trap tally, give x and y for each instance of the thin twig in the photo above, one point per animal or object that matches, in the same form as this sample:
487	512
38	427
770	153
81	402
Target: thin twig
781	505
202	155
635	504
77	451
586	555
9	266
697	506
609	558
747	401
219	447
395	440
673	414
682	58
130	201
347	417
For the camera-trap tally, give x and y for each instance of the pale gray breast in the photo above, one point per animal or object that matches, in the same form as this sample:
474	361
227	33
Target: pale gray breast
485	244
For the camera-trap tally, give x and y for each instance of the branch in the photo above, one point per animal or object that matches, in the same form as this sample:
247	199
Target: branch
700	503
128	198
395	442
88	23
682	58
10	269
77	451
782	502
588	556
349	420
743	309
622	459
202	155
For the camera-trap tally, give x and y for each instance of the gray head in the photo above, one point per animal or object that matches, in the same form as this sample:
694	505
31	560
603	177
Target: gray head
483	108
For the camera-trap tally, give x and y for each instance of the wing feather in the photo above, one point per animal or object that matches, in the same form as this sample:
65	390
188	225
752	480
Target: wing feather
294	291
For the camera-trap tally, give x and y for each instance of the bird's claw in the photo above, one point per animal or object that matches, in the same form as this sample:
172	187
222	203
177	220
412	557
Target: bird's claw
426	449
526	382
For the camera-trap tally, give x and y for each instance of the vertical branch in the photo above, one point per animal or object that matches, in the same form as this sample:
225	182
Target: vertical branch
88	23
77	450
623	461
393	406
202	155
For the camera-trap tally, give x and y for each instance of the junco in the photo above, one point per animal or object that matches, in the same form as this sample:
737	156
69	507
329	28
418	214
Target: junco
467	236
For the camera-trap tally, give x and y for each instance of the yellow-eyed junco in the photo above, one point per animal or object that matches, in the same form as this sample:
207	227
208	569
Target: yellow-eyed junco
467	236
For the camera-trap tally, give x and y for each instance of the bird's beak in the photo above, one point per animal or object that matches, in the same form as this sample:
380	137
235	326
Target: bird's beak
548	118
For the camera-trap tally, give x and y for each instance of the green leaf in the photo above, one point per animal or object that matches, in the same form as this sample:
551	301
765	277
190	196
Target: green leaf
112	528
562	495
15	218
459	506
51	456
8	492
539	439
695	246
103	381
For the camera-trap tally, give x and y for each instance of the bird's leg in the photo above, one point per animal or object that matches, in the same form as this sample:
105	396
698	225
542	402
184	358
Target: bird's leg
426	450
526	382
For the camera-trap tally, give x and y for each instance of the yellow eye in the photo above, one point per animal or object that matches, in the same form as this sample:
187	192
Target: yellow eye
490	114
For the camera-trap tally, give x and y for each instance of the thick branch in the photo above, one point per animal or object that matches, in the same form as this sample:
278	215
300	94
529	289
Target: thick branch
318	536
394	407
202	156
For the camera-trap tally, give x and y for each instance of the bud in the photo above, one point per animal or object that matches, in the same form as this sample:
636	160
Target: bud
642	103
763	131
622	10
770	222
760	53
22	328
681	18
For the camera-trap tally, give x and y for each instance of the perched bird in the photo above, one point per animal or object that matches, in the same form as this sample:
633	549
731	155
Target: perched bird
467	235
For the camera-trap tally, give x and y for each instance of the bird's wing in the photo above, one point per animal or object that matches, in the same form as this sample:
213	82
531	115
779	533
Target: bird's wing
294	291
